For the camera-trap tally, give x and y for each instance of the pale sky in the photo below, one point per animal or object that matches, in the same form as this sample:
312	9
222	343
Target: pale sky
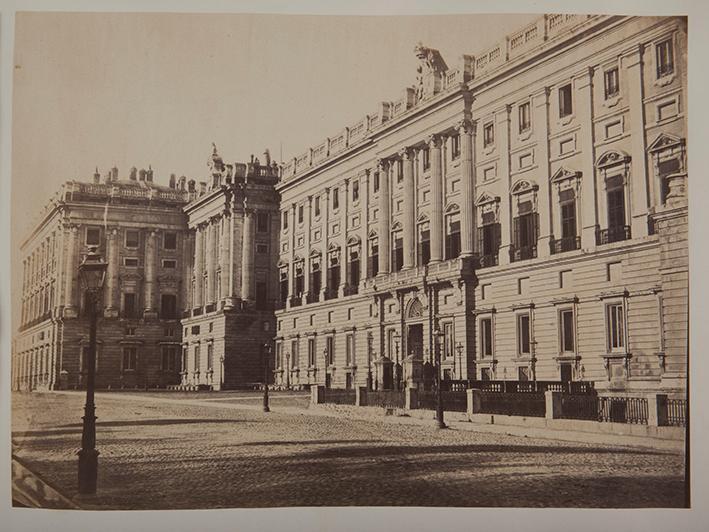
138	89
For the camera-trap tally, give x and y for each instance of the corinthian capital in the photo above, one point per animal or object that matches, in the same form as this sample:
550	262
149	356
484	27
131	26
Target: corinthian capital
406	153
433	141
466	127
382	165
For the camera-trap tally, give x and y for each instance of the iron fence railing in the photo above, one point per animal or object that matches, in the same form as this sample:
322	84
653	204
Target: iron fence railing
385	398
338	397
453	401
633	410
513	404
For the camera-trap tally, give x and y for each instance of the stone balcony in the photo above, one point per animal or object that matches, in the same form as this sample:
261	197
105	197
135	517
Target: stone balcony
444	271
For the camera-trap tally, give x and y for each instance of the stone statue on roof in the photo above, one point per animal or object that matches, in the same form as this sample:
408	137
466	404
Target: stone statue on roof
430	71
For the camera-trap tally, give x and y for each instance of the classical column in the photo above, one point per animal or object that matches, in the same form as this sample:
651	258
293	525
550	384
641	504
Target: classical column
502	131
384	203
70	310
187	262
291	253
112	304
363	227
589	199
466	132
247	256
150	267
409	224
540	103
211	245
197	300
232	296
434	146
344	221
306	253
223	292
324	229
633	66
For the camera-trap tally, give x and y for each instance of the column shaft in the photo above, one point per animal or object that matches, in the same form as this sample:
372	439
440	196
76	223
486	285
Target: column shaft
384	203
306	253
589	200
434	146
467	179
247	257
502	131
540	104
71	269
110	293
198	267
409	210
150	258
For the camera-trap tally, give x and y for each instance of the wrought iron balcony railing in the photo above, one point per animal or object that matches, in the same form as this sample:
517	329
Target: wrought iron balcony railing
568	243
523	252
612	234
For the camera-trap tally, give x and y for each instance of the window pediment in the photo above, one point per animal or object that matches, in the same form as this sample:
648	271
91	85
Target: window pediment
353	241
453	207
485	198
372	234
612	158
562	174
665	141
522	186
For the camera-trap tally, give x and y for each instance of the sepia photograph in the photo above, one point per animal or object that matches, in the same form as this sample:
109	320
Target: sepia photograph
265	260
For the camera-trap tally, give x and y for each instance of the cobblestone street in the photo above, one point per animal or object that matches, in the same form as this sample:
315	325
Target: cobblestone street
165	451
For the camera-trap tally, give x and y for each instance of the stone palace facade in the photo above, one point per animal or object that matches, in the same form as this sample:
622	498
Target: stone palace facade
528	203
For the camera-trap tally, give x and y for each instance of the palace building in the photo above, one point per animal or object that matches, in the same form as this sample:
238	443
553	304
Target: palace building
138	227
230	269
527	203
522	213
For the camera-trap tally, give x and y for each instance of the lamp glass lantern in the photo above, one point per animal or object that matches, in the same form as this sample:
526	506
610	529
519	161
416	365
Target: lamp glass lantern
92	271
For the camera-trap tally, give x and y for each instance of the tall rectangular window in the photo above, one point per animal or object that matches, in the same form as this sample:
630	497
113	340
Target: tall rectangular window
373	266
210	357
196	359
452	236
566	331
169	240
399	170
262	224
353	269
397	251
375	184
523	334
665	59
426	158
284	217
615	327
448	346
317	206
486	337
525	117
132	239
299	278
294	354
355	191
300	214
333	272
455	146
611	83
424	251
489	239
488	134
311	352
130	358
315	277
335	199
168	306
283	282
349	352
565	102
568	214
330	350
129	305
616	203
93	236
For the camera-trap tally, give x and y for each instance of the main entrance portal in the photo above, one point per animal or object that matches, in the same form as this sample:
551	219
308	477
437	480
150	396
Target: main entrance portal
414	340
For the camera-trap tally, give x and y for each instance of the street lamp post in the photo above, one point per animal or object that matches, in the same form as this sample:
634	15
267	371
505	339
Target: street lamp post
92	272
266	362
288	370
324	369
459	348
397	337
369	360
439	400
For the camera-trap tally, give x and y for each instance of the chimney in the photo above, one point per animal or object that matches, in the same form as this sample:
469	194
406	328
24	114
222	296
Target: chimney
173	181
183	182
97	176
191	185
149	173
267	158
252	158
133	173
